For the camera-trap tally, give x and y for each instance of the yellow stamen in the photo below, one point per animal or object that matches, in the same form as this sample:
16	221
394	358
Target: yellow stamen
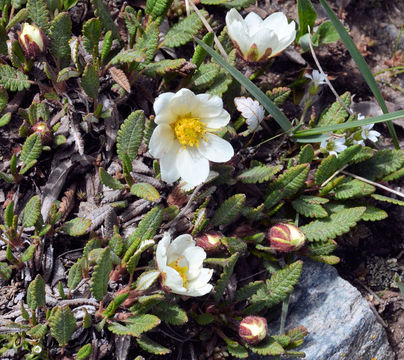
189	130
182	270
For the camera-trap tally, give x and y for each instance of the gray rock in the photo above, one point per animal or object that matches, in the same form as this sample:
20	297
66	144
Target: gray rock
340	322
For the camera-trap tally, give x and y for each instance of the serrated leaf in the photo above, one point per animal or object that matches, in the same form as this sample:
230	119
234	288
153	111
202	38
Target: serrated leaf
147	279
36	293
39	14
135	326
62	324
228	211
102	12
106	45
387	199
110	181
320	248
13	79
157	8
149	225
239	4
28	253
335	225
200	53
306	155
100	276
5	119
170	313
336	114
131	262
163	67
84	352
326	169
373	214
220	84
31	211
90	81
297	336
147	44
258	174
9	214
225	276
115	304
91	35
237	350
120	78
60	34
145	191
279	95
205	75
248	290
347	156
75	276
38	331
130	135
5	271
352	189
184	30
309	206
76	227
394	175
151	346
267	347
7	178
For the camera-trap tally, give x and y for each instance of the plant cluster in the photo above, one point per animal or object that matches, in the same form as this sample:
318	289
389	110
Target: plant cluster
181	267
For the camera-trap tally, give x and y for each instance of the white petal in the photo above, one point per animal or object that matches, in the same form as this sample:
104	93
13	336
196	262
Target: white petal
264	40
200	291
238	33
173	280
183	102
215	148
178	247
232	16
217	121
373	135
168	167
162	108
192	166
323	144
161	251
251	110
203	278
195	256
333	153
276	21
254	23
161	140
285	38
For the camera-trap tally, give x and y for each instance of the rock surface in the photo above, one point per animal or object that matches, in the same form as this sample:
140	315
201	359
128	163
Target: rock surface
340	322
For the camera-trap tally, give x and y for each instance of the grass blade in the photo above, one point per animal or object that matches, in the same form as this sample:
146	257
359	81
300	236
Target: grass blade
351	124
269	106
362	65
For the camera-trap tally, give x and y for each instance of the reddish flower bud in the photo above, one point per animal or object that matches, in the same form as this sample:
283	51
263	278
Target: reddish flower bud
253	329
42	129
32	40
210	242
286	237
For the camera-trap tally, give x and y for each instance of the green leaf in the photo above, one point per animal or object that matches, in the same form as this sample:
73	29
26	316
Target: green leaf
100	276
135	326
326	169
3	99
84	352
307	17
147	279
267	347
239	4
205	75
394	175
248	290
228	211
170	313
31	149
157	9
130	135
62	324
151	346
146	45
9	214
90	81
306	155
336	114
75	276
13	79
279	95
91	35
36	293
353	188
237	350
200	53
387	199
373	214
309	206
28	253
145	191
31	211
149	225
102	12
106	45
325	34
7	178
184	30
60	34
5	119
225	276
335	225
38	331
110	181
280	118
297	336
115	304
39	14
5	271
258	174
321	248
163	67
76	227
132	261
362	65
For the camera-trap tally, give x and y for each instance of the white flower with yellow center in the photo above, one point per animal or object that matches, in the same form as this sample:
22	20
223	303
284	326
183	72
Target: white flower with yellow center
180	263
258	40
183	140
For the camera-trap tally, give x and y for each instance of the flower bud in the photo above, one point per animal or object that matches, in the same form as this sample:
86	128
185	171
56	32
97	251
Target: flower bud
42	129
253	329
286	237
32	40
210	242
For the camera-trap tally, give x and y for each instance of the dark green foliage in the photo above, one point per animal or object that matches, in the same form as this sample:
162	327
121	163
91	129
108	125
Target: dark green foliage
60	34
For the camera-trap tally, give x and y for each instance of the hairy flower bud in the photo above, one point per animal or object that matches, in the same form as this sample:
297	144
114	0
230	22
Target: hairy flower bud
32	40
43	130
253	329
286	237
210	242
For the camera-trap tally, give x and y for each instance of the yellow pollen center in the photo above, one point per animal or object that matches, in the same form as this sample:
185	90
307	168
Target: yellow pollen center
182	270
189	130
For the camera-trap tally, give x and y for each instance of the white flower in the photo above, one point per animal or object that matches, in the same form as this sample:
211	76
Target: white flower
317	77
367	133
257	39
251	110
333	145
180	263
183	139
